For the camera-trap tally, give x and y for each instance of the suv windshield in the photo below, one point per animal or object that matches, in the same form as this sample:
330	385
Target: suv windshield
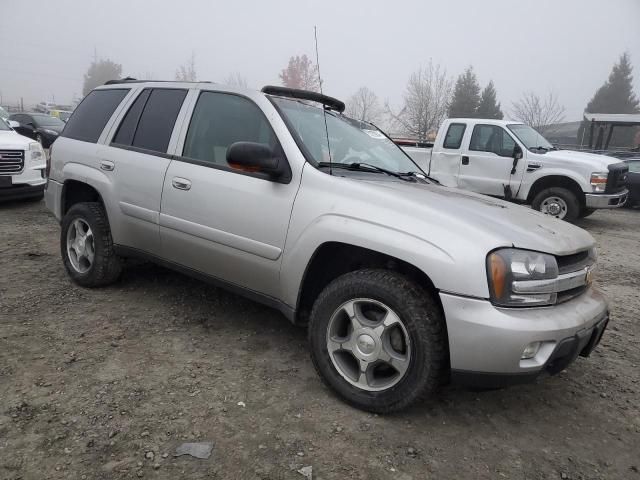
4	125
47	121
349	142
3	114
530	137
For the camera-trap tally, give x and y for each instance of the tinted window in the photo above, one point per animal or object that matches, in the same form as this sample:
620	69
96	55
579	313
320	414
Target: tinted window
126	130
453	138
634	166
158	118
221	119
492	138
93	113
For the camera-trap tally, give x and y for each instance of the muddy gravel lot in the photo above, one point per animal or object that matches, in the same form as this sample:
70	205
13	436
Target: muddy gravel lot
102	384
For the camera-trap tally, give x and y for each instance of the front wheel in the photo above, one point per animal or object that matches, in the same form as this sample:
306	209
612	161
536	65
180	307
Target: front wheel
87	247
378	339
558	202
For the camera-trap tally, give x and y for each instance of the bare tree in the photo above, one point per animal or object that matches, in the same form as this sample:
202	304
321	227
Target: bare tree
364	105
187	73
301	73
235	80
426	100
536	111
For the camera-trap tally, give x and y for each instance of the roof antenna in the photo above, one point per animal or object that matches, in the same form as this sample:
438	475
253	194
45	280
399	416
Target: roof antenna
324	110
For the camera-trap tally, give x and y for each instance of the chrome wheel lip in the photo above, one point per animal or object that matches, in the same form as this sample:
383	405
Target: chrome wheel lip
369	345
554	206
80	245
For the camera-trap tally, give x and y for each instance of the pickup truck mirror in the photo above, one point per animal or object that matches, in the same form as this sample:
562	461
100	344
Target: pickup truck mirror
255	157
517	152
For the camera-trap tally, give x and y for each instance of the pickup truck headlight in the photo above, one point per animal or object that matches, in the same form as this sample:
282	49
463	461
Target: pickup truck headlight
599	181
36	151
510	271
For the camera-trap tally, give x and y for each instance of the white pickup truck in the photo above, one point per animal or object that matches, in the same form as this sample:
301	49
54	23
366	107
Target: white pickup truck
513	161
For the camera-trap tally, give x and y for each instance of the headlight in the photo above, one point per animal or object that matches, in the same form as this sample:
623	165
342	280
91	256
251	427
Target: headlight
599	181
51	132
522	278
36	151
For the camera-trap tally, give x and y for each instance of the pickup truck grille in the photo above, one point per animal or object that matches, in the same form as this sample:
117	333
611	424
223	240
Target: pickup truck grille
617	179
11	161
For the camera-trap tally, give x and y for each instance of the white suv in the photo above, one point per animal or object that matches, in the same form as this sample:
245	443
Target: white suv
22	165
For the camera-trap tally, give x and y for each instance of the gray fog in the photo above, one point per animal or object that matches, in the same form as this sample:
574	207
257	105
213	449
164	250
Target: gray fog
567	46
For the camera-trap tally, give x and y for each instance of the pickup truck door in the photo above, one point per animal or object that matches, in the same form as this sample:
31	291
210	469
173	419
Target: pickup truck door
217	220
487	162
137	159
445	158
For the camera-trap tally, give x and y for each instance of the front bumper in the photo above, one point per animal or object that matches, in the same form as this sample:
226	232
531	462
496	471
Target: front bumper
486	343
21	191
606	200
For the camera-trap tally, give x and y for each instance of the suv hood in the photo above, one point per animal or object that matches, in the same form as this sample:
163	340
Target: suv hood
483	218
10	139
595	161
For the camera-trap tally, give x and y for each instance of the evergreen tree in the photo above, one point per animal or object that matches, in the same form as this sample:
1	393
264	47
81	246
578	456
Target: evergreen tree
616	95
489	106
466	95
99	72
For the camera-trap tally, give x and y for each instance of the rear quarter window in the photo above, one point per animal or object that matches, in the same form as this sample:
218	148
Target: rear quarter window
93	113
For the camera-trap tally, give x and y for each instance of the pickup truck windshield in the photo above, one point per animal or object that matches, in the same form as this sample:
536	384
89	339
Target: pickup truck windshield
3	125
531	138
350	144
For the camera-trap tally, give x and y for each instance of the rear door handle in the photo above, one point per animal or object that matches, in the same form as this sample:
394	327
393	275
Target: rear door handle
107	165
465	160
181	183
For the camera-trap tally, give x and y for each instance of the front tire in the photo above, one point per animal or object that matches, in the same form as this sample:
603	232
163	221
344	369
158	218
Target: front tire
87	247
379	340
558	202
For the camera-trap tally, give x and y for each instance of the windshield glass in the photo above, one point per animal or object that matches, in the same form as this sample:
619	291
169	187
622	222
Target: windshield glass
48	121
530	137
634	166
4	125
3	113
348	141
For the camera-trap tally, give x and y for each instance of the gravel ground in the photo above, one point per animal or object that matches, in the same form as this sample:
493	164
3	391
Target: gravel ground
103	384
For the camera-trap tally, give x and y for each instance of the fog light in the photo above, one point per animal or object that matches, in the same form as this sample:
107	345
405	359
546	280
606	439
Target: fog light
530	350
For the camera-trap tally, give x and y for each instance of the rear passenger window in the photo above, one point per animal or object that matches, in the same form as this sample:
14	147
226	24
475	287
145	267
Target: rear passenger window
220	119
158	119
127	128
453	138
93	113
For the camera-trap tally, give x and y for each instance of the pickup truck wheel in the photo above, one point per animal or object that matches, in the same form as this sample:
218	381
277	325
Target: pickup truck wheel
87	247
557	202
378	339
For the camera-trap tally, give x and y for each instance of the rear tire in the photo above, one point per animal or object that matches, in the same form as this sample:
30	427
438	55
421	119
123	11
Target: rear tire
557	202
87	247
415	337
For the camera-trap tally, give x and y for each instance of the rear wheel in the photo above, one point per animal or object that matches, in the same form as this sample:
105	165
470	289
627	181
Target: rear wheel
557	202
87	247
378	339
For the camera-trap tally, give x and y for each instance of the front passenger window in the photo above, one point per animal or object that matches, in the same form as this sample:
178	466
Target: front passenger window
221	119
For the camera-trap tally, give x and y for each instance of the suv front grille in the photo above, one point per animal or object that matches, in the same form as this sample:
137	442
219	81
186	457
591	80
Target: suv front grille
581	261
11	161
617	178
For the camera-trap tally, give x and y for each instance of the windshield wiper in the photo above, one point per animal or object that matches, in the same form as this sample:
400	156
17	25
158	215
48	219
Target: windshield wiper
420	175
367	167
546	149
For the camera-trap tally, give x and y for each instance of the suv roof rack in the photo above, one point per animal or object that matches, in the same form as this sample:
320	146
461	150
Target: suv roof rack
329	102
135	80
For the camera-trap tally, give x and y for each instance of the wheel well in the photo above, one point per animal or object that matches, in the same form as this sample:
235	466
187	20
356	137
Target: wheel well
333	259
75	192
556	181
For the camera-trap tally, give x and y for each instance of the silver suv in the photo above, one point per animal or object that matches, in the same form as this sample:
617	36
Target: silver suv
402	283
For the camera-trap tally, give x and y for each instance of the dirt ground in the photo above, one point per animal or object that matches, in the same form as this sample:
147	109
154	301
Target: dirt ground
91	381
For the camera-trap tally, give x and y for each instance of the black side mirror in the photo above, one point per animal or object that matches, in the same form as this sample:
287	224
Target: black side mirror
257	158
517	152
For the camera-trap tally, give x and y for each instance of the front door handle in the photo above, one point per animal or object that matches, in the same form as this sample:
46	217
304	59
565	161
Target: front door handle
465	160
181	183
107	165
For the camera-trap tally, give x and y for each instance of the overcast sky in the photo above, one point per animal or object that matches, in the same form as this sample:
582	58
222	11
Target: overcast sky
568	46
